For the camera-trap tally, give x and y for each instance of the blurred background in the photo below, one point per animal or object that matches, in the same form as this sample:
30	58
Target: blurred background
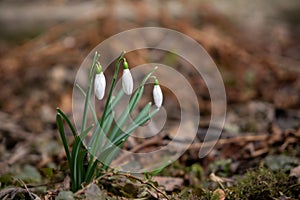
255	44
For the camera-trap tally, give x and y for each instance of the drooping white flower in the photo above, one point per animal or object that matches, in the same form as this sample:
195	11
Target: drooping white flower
127	81
157	94
99	83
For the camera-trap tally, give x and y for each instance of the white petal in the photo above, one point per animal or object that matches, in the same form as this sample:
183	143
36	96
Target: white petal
99	85
157	96
127	82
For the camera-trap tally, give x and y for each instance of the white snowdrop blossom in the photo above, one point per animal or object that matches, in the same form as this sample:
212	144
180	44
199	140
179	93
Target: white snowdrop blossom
127	81
99	83
157	94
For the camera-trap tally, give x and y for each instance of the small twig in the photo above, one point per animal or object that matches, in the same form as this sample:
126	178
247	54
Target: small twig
127	176
145	183
152	141
292	186
159	141
93	182
244	138
44	184
32	195
22	182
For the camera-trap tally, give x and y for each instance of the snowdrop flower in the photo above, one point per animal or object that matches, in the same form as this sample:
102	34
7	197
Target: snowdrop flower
100	82
157	94
127	81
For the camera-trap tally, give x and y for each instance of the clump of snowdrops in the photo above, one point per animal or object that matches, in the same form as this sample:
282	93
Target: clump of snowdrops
107	133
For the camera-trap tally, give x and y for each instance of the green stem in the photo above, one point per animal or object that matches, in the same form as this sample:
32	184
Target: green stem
89	90
90	104
113	84
108	101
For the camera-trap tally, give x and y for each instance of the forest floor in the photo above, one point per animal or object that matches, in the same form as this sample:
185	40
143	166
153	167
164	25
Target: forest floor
258	154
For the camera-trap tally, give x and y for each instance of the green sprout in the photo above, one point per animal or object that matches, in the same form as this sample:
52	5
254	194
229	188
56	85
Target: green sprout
108	135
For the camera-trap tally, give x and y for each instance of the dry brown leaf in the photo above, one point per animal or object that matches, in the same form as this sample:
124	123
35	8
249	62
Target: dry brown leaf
215	178
220	193
169	183
296	172
218	179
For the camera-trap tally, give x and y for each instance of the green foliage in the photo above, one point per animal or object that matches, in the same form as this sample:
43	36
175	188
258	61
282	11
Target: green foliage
191	194
48	172
6	179
148	175
262	183
78	156
222	167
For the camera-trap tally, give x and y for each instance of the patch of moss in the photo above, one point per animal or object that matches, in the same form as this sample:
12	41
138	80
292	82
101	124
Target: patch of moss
221	167
263	183
191	194
176	169
6	180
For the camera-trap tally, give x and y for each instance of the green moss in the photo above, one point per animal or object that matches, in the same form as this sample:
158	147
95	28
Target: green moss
191	194
262	183
6	180
221	167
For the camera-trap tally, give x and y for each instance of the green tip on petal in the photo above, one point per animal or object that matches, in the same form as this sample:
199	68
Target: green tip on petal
98	68
125	63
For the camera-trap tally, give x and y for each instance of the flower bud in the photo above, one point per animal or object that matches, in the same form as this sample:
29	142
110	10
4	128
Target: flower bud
99	83
157	94
127	81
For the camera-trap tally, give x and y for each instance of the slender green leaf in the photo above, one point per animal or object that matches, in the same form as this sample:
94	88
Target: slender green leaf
114	103
148	76
90	104
106	128
117	129
60	126
108	153
92	145
91	171
113	84
106	109
126	114
81	172
110	157
68	121
75	155
108	122
134	126
136	98
142	114
96	142
119	124
89	91
140	122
